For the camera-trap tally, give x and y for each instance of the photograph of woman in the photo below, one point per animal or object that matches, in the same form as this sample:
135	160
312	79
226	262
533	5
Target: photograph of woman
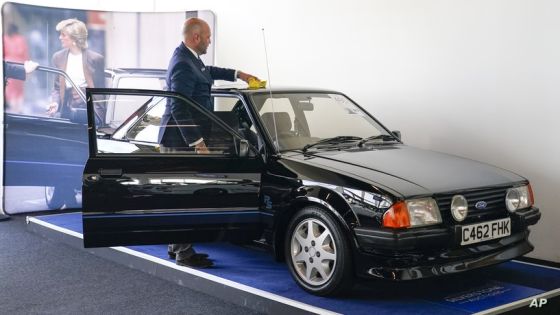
84	67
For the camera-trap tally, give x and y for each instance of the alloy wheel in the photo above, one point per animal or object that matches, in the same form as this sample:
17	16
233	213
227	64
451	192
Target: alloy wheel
313	251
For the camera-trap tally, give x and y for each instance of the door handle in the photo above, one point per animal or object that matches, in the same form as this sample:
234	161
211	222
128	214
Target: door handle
92	178
110	172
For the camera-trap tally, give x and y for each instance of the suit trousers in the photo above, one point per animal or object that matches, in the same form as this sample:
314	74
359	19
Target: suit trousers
184	250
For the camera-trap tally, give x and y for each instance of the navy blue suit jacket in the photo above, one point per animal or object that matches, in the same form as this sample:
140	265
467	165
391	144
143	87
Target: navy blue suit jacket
188	76
12	71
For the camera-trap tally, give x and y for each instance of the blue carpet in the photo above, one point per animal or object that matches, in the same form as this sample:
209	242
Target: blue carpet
465	293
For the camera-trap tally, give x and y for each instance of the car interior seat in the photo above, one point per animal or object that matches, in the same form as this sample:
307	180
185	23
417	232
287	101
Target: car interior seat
283	123
286	136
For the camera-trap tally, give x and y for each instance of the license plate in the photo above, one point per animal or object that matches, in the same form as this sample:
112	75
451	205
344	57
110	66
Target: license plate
484	231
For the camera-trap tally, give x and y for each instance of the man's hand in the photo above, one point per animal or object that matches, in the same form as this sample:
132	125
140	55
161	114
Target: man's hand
30	66
52	109
201	148
245	76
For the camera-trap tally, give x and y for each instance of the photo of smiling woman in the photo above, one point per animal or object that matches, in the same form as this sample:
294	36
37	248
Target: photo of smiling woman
84	67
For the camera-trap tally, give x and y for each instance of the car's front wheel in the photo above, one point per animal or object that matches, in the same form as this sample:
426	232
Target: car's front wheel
318	253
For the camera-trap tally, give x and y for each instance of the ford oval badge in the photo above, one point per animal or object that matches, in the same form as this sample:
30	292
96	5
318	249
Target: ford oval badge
481	205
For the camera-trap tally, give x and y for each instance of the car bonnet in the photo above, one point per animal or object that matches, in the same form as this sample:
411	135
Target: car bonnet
433	171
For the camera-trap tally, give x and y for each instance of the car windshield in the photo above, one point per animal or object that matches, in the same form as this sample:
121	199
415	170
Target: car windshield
297	120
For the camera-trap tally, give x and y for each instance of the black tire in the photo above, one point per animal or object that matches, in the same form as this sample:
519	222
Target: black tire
340	278
58	196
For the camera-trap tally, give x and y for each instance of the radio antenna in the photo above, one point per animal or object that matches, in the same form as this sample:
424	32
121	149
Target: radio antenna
276	144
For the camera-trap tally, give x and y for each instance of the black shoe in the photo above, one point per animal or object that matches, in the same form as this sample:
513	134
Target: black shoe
172	255
195	262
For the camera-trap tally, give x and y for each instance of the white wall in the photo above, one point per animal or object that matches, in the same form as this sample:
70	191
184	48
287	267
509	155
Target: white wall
475	78
130	47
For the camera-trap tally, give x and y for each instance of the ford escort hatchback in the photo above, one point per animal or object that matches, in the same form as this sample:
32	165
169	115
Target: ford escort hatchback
331	190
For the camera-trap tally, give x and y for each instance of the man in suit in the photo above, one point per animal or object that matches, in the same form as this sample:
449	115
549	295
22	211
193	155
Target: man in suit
183	128
17	71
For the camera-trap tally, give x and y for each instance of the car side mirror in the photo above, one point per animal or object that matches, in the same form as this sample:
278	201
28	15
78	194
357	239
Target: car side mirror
243	148
397	134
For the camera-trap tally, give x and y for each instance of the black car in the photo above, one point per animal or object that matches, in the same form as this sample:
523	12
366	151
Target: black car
40	150
331	190
51	152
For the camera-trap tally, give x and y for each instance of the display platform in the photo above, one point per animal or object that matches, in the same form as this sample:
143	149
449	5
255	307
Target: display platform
250	277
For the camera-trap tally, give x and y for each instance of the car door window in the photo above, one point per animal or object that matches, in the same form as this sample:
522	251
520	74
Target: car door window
117	114
153	130
146	129
35	94
232	111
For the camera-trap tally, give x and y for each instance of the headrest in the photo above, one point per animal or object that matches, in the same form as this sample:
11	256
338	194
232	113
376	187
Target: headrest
283	121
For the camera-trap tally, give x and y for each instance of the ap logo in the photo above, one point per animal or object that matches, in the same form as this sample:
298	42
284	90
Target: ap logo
538	303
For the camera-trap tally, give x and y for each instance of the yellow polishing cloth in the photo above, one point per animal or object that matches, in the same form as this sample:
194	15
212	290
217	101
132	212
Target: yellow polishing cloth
256	84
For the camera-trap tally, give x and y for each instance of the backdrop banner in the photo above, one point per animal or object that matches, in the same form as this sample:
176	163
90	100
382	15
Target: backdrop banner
45	125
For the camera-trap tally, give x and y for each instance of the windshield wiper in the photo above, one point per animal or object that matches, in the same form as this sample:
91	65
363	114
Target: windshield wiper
382	137
333	140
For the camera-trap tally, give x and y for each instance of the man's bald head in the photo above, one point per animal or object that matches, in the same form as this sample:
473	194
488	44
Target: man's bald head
196	35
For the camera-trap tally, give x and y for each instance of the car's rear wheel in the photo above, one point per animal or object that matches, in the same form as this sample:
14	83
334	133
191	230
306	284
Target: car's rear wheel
317	252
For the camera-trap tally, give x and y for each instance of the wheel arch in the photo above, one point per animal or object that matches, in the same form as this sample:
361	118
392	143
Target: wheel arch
317	196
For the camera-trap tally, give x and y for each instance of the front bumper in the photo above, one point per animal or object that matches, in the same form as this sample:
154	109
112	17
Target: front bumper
425	252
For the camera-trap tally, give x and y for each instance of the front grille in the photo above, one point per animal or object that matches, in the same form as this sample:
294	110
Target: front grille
494	198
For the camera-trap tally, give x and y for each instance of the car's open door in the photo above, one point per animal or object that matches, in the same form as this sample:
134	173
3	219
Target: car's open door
136	191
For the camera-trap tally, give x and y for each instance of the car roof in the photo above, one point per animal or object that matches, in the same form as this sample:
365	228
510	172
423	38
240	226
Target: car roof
235	88
136	71
247	91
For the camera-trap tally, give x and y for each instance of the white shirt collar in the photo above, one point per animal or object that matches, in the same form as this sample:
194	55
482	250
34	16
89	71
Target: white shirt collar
194	52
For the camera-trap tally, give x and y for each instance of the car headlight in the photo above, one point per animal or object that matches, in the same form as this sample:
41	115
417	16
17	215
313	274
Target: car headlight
519	198
412	213
459	208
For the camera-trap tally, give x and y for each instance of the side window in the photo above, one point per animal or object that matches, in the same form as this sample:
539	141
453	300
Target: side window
231	110
37	96
225	103
117	114
146	129
152	129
